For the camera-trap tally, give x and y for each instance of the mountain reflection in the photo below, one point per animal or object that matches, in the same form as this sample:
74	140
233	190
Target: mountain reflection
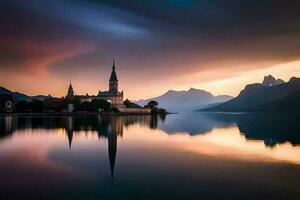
272	128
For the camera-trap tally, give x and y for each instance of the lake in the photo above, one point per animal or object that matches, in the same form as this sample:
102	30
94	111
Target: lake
179	156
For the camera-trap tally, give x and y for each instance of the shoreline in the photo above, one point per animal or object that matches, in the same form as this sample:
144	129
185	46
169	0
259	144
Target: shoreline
74	114
71	114
246	112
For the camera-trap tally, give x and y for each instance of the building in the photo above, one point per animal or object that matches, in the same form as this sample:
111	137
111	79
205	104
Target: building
112	95
6	103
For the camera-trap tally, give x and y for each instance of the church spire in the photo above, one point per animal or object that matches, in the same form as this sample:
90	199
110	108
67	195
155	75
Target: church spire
70	86
70	93
112	152
113	76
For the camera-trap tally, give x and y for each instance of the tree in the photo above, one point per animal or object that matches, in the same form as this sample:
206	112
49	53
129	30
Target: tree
86	106
22	106
105	105
95	105
36	105
76	102
129	104
55	104
152	104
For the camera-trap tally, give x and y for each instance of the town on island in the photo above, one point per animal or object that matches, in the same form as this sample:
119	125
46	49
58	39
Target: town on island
105	102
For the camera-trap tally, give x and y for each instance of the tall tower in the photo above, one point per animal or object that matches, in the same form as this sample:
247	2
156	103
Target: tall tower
113	81
70	94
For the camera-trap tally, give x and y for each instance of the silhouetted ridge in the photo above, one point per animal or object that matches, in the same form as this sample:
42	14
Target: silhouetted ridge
19	96
257	97
4	90
294	80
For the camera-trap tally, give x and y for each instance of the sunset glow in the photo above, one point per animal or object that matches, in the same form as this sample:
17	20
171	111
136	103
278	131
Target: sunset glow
149	99
227	143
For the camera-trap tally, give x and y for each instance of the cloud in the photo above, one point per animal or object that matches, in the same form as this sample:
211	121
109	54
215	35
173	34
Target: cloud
90	17
154	41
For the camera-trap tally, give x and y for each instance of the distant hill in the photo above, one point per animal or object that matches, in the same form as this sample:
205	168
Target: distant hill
259	97
19	96
193	99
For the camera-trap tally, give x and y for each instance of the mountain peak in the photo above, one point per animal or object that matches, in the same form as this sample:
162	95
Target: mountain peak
271	81
197	90
294	79
172	91
192	89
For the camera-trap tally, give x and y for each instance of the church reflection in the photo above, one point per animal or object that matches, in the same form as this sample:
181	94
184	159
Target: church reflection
111	128
105	127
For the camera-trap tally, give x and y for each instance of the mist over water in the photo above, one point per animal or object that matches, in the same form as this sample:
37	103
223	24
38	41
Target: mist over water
179	156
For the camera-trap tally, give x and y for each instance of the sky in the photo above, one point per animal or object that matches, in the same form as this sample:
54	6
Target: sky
216	45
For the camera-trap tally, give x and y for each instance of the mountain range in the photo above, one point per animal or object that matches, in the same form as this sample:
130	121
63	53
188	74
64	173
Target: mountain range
266	96
21	97
270	95
192	99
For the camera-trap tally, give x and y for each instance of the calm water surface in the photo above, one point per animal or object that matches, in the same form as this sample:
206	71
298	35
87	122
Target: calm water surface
182	156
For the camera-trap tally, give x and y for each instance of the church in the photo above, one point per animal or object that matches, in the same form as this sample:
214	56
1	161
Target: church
112	95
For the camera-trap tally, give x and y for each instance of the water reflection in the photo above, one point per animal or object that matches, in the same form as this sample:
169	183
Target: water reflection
272	128
269	127
108	127
72	124
180	156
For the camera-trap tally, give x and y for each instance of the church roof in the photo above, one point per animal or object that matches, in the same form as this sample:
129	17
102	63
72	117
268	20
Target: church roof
108	94
70	87
113	76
